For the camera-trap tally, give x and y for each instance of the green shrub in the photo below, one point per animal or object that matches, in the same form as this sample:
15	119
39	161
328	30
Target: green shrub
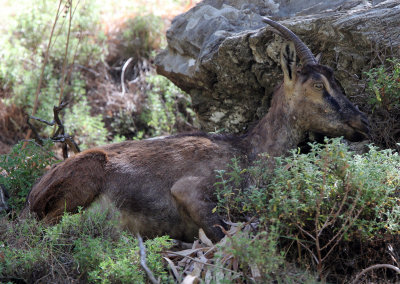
166	105
308	185
383	97
88	130
120	262
23	49
230	190
327	196
21	248
384	85
22	167
107	254
88	246
255	255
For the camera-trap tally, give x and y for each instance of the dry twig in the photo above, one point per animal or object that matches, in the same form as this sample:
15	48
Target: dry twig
123	75
143	260
59	135
46	57
376	266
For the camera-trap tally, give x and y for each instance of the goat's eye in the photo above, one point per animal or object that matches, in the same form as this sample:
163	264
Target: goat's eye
319	86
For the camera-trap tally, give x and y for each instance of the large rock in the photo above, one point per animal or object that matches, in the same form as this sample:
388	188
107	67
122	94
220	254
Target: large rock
221	53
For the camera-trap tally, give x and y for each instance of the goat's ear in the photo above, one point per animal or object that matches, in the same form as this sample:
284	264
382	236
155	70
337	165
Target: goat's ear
288	62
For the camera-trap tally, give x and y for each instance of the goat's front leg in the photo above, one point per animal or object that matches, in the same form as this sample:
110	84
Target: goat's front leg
191	193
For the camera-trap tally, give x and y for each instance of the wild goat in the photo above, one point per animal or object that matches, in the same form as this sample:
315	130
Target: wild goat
165	186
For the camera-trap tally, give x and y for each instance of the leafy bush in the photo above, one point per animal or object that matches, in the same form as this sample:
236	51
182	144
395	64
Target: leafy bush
320	199
166	106
22	167
162	109
23	51
257	255
230	190
89	130
358	188
120	262
88	246
21	250
383	97
384	84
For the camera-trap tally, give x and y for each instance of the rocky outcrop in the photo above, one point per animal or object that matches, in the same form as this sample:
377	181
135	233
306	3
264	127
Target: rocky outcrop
221	53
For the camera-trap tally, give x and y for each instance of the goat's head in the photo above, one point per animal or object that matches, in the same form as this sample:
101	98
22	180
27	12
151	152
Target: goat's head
314	97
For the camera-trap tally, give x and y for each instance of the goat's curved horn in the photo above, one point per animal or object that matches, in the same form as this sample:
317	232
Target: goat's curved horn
302	50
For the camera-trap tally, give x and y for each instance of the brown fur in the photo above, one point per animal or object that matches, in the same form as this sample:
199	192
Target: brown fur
76	182
165	186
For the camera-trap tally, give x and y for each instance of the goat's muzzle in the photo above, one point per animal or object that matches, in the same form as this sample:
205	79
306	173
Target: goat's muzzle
360	125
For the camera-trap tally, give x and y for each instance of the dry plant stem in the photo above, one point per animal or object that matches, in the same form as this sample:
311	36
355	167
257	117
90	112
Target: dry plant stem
59	135
56	112
68	76
33	129
310	251
46	57
143	260
341	236
316	221
174	270
63	75
376	266
305	232
334	241
205	263
348	220
329	222
74	58
123	75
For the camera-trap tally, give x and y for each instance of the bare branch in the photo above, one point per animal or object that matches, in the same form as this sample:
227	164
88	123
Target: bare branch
143	260
339	237
35	133
310	251
46	57
123	75
59	135
349	220
174	270
332	221
376	266
64	66
305	232
205	263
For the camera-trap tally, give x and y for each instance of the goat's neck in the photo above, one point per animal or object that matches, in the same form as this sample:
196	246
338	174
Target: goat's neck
277	132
